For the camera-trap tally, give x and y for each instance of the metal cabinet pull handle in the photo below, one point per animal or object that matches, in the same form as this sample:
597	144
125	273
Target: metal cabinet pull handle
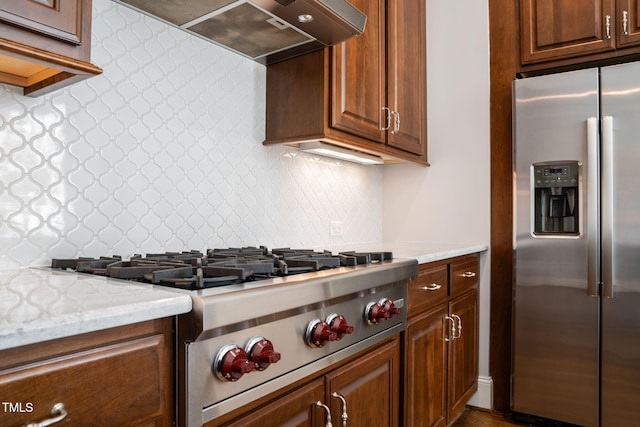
459	334
608	26
468	274
344	416
328	415
431	287
625	22
453	329
387	118
58	413
396	122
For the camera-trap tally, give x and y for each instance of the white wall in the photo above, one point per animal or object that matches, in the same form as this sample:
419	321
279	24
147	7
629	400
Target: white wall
450	200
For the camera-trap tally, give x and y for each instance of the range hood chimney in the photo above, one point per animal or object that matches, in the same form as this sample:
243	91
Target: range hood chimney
266	31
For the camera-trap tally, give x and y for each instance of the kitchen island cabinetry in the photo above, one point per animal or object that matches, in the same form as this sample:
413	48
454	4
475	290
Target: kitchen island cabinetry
116	377
570	31
441	341
45	44
368	93
368	383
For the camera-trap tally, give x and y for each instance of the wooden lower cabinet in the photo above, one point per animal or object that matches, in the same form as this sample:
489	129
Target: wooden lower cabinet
369	384
118	377
371	387
425	365
441	342
463	354
296	408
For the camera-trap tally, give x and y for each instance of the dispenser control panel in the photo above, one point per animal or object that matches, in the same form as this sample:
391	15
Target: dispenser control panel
561	175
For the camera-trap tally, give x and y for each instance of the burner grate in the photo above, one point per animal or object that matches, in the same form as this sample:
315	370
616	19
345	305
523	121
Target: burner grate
217	267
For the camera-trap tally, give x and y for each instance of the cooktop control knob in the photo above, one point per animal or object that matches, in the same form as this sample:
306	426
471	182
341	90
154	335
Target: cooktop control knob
339	325
319	333
389	306
375	313
231	363
260	352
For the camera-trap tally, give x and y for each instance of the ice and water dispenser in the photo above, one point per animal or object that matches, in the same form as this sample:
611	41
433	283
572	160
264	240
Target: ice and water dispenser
555	198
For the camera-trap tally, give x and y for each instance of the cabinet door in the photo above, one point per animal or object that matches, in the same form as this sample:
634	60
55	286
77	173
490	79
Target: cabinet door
104	386
60	19
628	22
406	75
371	387
463	353
358	76
558	29
296	408
425	369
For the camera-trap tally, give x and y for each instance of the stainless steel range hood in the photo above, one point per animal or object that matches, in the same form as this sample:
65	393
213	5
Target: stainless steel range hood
266	31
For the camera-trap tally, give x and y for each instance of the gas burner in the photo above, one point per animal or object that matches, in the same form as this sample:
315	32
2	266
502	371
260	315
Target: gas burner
217	267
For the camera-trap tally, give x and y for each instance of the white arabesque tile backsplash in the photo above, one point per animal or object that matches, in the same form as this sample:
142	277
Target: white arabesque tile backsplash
163	152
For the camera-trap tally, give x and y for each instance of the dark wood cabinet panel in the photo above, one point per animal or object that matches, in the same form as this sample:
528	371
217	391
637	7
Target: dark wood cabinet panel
556	29
556	33
463	353
371	387
425	363
430	287
96	376
358	76
406	67
464	275
628	13
59	19
297	409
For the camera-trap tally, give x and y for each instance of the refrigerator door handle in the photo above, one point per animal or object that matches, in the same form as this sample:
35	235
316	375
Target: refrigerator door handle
607	206
593	207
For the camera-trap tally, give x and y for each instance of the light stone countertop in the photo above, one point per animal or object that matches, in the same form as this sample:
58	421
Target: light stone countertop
429	252
40	304
423	252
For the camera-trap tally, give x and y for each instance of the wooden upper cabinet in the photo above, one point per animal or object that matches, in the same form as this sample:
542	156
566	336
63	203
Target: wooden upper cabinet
406	91
60	19
556	29
45	44
367	93
358	77
378	80
628	12
577	30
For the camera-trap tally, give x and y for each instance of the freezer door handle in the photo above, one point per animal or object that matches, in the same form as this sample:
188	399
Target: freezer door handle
593	184
608	208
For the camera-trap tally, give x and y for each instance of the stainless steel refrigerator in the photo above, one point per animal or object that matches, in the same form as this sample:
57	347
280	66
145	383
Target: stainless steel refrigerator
576	346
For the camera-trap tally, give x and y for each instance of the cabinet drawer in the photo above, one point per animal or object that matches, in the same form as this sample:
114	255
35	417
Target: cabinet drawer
429	288
98	387
464	275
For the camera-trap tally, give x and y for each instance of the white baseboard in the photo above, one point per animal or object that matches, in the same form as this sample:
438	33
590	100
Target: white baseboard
484	396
